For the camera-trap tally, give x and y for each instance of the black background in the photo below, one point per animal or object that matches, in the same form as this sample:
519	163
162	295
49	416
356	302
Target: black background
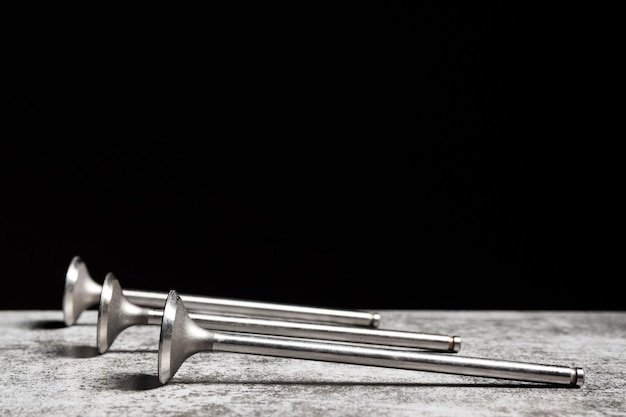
368	155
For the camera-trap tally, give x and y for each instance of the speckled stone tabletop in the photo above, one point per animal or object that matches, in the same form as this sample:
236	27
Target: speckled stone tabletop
49	369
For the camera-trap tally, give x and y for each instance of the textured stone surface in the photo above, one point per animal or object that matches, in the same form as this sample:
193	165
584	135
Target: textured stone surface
53	370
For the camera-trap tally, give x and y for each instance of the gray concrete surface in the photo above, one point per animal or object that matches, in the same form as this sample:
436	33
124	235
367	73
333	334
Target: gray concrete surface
52	370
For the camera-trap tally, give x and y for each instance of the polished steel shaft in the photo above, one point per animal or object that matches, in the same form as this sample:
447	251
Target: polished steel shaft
82	292
374	356
440	342
181	337
117	312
